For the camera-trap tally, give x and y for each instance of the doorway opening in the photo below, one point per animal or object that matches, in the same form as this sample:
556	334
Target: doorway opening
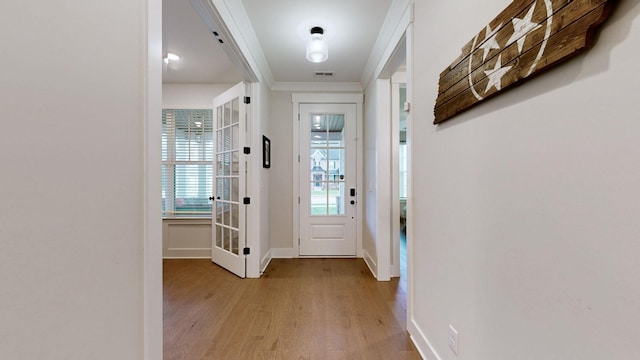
399	172
396	73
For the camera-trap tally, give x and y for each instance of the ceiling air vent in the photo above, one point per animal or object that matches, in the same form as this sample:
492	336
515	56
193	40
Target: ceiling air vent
323	73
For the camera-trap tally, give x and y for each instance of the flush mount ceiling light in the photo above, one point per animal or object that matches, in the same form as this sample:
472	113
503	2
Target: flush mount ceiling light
317	48
171	57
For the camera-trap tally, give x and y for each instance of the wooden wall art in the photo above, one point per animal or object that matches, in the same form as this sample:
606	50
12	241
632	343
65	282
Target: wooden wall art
529	36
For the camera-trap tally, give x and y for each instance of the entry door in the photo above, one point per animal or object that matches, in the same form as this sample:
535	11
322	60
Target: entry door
328	181
229	187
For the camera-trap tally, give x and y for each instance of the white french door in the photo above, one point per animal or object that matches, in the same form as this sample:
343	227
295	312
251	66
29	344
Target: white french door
229	185
327	180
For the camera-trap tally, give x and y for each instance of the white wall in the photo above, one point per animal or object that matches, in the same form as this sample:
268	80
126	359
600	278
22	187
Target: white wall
378	175
191	96
72	94
281	182
377	180
187	238
525	208
263	181
369	241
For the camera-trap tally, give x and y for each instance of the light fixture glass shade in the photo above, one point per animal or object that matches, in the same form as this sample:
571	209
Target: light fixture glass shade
317	48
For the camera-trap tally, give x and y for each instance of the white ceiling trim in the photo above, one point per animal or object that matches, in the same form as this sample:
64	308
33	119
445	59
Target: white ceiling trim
398	18
317	86
333	98
249	40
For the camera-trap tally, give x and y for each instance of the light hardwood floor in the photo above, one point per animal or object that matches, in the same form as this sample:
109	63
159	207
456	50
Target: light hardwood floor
299	309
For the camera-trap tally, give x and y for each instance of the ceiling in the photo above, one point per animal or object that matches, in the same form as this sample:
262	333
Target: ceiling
202	60
351	28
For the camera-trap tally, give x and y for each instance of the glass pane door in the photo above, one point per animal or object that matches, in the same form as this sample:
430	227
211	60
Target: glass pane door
229	172
227	177
327	164
327	179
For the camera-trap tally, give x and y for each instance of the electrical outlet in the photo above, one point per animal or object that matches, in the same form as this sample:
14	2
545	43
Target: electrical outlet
453	339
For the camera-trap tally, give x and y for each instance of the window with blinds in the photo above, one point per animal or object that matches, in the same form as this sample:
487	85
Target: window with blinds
187	158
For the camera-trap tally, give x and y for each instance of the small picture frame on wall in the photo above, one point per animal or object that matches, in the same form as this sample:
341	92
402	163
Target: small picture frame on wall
266	152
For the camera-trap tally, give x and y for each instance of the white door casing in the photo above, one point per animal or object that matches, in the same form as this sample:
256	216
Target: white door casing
328	186
229	181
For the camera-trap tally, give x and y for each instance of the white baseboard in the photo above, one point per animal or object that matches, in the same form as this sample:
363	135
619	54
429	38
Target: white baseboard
371	263
283	253
290	253
421	342
265	262
186	257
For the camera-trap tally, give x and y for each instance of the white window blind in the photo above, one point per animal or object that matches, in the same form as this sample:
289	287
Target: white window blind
187	157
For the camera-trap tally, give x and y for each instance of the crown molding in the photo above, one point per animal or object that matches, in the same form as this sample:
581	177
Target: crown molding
395	24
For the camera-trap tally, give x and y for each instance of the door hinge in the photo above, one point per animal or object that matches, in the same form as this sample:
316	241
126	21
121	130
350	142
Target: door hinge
246	201
247	100
247	150
298	158
298	200
246	251
298	116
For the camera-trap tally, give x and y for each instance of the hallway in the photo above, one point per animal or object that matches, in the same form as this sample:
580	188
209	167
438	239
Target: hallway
299	309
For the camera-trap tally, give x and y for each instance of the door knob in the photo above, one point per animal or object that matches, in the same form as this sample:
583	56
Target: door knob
212	198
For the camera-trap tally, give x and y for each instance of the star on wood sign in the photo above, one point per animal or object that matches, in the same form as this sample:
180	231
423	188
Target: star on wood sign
528	37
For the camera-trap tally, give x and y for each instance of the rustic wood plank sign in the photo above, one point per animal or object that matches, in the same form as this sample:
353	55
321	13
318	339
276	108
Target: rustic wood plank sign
528	37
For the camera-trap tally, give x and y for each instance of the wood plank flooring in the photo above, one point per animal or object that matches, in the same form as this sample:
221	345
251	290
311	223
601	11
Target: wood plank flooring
299	309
